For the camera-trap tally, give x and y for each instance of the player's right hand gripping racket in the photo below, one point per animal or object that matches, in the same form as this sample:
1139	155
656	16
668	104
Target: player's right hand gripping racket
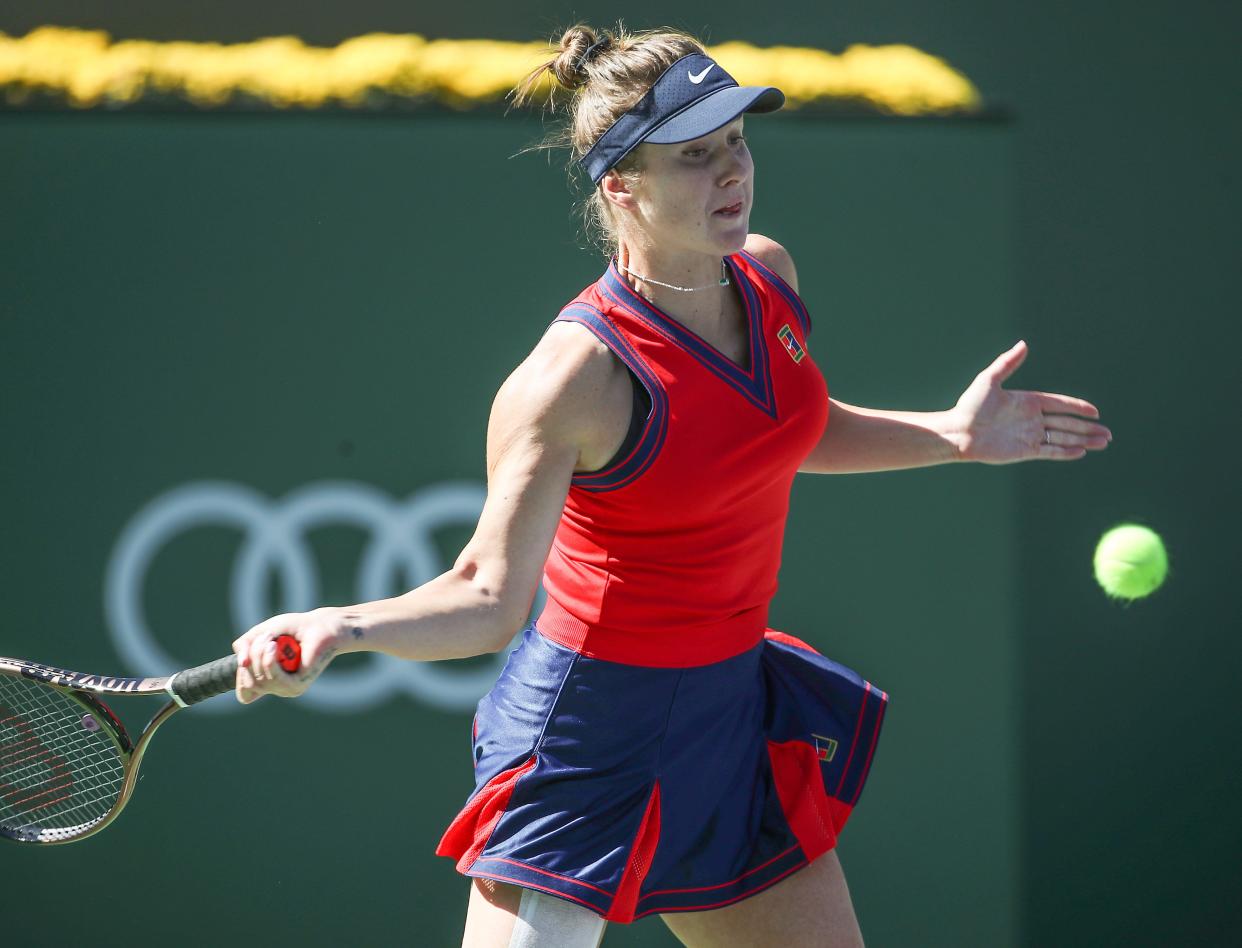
67	766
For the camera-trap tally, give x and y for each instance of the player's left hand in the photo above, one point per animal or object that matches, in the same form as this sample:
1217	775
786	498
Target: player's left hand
997	426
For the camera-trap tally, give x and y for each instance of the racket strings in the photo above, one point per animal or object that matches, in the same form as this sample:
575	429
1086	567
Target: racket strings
60	767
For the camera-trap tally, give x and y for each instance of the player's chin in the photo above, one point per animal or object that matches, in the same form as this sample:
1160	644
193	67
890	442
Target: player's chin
730	232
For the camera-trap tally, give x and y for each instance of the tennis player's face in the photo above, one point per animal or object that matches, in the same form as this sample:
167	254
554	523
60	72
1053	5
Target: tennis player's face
697	195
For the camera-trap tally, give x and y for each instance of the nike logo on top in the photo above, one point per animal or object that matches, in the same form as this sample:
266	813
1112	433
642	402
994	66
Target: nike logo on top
699	78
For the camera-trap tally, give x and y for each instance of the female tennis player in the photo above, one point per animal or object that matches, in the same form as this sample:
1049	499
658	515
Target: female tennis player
652	746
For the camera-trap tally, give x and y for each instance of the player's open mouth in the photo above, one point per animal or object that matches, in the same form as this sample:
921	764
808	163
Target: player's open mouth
733	210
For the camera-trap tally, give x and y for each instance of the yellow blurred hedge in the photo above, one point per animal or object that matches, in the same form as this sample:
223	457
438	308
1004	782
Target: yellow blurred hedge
87	68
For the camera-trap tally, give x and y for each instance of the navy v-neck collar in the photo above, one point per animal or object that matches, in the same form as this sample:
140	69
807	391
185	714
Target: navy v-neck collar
754	382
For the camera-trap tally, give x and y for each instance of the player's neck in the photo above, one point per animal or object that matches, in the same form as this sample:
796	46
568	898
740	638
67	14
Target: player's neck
701	302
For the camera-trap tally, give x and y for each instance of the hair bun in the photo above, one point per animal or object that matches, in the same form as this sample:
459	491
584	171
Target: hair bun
579	46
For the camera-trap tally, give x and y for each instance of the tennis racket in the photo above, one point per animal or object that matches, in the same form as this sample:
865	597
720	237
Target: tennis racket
67	766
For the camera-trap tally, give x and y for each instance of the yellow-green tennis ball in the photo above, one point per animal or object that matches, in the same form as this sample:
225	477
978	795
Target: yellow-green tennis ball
1130	561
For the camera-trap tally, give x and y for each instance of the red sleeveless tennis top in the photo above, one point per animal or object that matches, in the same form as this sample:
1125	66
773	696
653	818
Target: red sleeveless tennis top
668	556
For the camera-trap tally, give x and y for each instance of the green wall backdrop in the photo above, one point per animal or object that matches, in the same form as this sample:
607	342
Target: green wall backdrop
1110	247
283	304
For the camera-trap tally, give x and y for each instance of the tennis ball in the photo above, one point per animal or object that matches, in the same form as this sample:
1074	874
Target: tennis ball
1130	561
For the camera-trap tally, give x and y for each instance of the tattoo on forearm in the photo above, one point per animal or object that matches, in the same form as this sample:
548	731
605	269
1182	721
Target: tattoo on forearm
356	633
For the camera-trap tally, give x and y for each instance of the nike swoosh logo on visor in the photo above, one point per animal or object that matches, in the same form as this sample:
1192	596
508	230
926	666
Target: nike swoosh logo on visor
699	78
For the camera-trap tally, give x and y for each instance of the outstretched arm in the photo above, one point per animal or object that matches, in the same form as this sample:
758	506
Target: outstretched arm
989	424
859	440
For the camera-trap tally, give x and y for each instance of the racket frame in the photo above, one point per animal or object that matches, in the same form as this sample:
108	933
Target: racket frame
185	688
85	690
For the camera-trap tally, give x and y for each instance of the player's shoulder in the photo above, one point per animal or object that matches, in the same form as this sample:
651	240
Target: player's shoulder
570	359
773	256
563	379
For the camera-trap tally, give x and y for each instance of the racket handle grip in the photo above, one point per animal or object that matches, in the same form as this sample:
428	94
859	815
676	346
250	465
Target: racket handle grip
215	678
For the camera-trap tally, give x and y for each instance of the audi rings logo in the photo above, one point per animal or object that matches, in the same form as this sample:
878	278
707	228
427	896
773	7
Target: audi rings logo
274	542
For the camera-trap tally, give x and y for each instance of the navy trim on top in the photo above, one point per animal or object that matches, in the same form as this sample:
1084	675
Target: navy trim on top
755	384
625	469
787	291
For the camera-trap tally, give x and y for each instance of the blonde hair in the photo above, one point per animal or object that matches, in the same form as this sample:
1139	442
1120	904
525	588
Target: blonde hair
606	72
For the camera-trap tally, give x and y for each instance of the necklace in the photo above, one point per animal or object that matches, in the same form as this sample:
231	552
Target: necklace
723	281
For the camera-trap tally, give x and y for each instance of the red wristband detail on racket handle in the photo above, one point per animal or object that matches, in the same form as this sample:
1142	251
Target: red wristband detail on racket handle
288	652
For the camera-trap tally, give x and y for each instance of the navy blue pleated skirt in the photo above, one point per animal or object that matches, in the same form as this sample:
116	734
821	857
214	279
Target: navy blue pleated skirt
633	790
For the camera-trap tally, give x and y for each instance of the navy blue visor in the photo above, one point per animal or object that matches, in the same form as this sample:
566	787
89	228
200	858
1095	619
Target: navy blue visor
693	97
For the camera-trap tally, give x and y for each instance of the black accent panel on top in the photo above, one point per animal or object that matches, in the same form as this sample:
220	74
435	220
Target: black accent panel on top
640	409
